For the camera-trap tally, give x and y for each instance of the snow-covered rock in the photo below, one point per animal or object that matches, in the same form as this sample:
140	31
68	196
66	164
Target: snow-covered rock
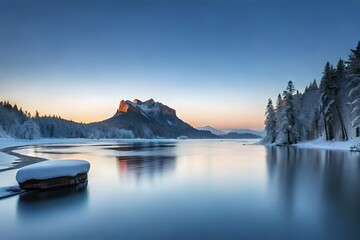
51	174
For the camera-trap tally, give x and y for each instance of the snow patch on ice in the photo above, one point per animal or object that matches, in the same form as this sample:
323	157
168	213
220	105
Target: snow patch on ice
52	169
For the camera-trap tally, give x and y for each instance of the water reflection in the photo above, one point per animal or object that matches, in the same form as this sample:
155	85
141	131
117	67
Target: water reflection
321	184
196	189
37	205
146	166
150	159
152	146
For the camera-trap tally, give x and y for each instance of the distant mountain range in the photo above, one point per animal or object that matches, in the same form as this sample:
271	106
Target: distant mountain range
132	119
235	132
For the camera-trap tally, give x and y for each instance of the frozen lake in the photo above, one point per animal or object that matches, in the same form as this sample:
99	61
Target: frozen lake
193	189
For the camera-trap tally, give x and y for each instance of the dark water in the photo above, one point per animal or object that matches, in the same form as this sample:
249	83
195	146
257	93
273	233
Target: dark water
193	190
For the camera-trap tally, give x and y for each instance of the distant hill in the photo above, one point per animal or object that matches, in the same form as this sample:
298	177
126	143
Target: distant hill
261	133
235	135
212	130
240	131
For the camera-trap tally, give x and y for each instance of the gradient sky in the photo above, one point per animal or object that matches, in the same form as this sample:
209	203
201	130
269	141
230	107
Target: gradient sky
215	62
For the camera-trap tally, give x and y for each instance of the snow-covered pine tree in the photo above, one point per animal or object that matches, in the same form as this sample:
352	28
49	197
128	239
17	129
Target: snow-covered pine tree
328	90
353	70
270	123
308	113
287	124
340	84
30	130
278	102
279	110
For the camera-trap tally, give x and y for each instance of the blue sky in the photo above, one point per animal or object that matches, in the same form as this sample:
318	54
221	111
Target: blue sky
216	62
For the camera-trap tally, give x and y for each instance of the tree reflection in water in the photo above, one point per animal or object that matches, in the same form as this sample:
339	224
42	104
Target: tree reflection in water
324	184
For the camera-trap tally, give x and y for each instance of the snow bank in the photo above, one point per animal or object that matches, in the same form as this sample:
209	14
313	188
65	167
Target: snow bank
322	144
52	169
11	142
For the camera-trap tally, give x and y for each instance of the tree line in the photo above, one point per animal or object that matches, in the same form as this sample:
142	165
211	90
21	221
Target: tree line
16	123
330	109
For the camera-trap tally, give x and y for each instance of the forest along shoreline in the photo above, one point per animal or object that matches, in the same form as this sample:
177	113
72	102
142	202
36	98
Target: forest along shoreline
22	160
329	110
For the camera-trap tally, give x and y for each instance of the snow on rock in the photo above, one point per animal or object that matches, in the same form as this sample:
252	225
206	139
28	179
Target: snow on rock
149	107
52	169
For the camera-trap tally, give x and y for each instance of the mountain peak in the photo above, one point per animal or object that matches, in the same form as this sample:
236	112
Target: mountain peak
136	101
149	107
123	106
150	101
150	119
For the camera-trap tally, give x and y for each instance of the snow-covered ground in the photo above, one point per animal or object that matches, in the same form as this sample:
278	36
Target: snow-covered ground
7	160
322	144
10	142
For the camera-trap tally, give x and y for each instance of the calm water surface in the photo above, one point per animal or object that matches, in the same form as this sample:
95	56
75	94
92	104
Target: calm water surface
192	190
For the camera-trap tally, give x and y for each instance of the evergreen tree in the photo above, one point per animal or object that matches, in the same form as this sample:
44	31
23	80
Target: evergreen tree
313	85
339	83
354	60
270	123
30	130
328	90
354	84
278	102
288	115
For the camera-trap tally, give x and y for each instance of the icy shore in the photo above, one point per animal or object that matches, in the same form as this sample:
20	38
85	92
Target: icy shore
322	144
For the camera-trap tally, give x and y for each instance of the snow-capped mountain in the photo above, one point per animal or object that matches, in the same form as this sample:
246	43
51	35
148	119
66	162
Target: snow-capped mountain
151	119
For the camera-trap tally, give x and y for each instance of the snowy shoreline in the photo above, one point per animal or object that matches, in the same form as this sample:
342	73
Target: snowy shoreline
322	144
10	160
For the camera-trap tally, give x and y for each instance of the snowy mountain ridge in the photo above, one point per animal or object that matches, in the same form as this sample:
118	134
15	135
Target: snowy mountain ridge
149	108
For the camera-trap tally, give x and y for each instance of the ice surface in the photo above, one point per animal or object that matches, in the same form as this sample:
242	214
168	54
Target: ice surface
6	160
10	191
52	169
